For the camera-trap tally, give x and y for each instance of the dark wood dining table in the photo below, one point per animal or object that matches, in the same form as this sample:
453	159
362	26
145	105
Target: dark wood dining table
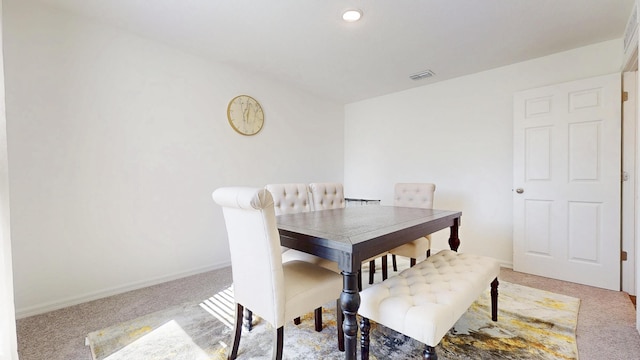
353	234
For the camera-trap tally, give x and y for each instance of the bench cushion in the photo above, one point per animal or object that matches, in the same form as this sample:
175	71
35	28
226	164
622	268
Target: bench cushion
425	301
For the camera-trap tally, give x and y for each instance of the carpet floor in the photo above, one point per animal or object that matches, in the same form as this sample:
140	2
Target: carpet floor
606	319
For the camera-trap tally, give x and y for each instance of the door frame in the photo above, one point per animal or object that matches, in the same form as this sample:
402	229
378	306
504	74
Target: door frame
8	338
631	63
629	182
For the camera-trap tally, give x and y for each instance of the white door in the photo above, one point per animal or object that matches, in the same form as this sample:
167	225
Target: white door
566	198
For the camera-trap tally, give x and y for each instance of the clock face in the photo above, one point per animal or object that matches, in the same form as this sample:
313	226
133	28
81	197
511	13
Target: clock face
245	115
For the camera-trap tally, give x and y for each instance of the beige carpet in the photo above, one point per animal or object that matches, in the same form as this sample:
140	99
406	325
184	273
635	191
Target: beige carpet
606	320
533	324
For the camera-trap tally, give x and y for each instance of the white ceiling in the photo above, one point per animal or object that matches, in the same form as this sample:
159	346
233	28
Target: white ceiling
305	43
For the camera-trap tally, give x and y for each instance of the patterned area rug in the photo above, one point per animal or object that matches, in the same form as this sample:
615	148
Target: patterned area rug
532	324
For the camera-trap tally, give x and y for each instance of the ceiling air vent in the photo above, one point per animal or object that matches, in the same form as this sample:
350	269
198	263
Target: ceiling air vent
422	75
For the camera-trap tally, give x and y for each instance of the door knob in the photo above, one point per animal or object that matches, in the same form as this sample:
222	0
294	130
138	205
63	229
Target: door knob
519	190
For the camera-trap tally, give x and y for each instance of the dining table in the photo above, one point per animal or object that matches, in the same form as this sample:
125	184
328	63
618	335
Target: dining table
351	235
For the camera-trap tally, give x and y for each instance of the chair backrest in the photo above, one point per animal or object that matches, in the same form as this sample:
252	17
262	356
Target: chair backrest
290	198
254	243
418	195
327	196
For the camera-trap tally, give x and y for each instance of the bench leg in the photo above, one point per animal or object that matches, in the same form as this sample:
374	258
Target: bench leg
430	353
494	299
365	326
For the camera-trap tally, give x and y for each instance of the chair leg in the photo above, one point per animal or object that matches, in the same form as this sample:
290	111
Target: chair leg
395	264
318	315
494	299
248	319
372	270
385	273
428	252
296	321
430	353
412	262
339	321
279	341
365	326
236	333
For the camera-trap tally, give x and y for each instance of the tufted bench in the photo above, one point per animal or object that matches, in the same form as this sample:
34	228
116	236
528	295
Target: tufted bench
425	301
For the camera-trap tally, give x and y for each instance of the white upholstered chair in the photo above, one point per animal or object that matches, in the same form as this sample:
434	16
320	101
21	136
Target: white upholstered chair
290	199
418	195
294	198
326	196
274	290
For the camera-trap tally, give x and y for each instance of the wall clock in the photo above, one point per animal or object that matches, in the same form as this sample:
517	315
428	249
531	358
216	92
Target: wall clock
245	115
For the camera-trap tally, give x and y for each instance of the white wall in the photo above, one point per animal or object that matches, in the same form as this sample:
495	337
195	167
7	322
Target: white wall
458	135
115	145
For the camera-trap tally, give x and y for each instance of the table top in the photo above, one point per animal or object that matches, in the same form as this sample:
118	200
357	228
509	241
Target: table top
352	234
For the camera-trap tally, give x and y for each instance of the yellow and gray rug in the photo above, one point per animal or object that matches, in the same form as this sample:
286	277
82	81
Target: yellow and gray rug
532	324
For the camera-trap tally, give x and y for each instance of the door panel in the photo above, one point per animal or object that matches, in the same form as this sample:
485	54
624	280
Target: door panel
538	227
538	143
584	231
567	150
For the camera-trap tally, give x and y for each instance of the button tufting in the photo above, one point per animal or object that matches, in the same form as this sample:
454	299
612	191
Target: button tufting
425	300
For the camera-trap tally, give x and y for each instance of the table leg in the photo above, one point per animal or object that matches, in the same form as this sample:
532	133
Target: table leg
454	241
350	302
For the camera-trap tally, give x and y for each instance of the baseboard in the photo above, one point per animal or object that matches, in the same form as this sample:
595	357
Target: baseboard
75	300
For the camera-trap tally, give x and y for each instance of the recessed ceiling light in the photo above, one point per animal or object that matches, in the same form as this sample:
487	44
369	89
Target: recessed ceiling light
352	15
